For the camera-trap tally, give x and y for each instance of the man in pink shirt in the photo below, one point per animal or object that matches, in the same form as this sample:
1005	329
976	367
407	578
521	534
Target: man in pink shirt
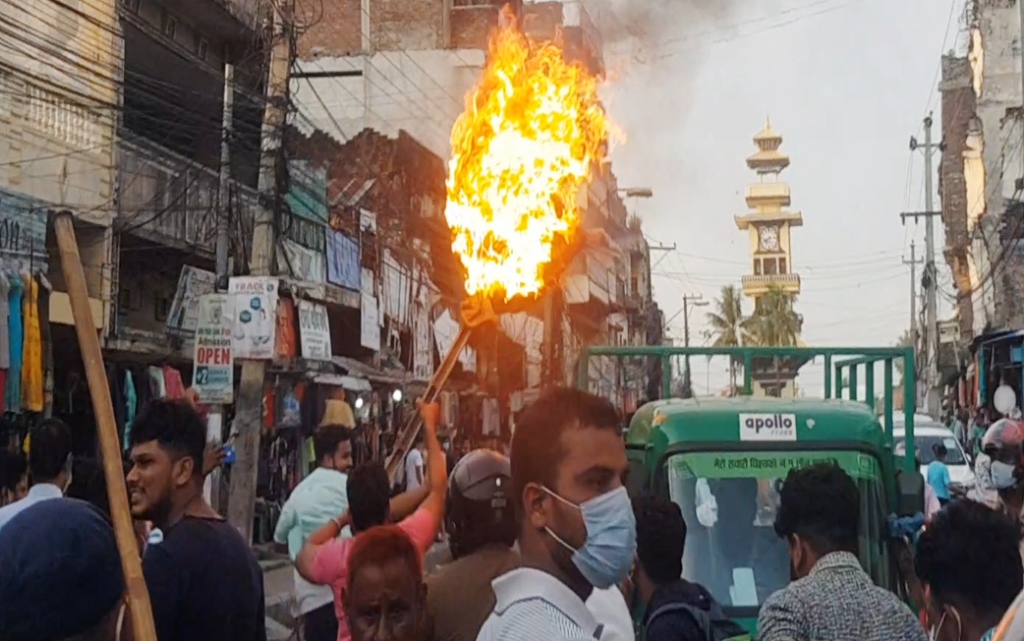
324	558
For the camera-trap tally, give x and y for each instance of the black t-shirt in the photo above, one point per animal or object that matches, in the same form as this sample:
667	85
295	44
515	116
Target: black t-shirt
205	583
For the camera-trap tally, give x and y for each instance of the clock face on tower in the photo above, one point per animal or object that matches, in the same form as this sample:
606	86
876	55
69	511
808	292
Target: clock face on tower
769	236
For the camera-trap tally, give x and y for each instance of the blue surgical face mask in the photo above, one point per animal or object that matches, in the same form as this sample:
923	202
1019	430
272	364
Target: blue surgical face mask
607	555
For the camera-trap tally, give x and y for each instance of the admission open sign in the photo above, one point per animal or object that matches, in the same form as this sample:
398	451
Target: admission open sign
214	372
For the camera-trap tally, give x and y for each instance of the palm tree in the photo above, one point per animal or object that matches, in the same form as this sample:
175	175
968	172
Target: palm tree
727	325
774	323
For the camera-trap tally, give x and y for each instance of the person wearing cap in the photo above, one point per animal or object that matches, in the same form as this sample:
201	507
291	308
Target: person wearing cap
314	502
60	575
203	579
49	466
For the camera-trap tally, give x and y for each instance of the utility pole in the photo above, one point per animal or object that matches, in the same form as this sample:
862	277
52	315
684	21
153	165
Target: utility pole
930	280
215	419
913	262
689	300
249	405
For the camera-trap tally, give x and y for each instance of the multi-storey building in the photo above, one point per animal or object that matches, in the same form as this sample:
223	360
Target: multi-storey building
406	71
59	75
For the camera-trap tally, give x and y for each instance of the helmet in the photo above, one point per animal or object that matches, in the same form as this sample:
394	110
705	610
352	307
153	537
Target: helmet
480	506
1004	440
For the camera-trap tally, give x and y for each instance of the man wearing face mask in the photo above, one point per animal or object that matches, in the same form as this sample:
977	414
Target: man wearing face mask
969	563
49	466
831	597
577	532
1003	444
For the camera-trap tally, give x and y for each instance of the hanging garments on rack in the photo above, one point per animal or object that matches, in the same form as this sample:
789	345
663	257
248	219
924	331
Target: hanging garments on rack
12	391
173	386
45	289
156	382
131	403
32	352
5	336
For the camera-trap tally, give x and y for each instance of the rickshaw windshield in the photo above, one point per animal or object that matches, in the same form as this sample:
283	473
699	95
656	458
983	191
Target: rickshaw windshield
729	501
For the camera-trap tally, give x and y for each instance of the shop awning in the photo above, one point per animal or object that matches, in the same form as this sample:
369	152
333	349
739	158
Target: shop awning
994	337
351	383
387	375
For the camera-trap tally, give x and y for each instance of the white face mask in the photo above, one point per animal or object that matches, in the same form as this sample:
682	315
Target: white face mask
1003	477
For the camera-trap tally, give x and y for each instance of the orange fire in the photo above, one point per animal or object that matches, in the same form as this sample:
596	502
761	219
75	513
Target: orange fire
521	150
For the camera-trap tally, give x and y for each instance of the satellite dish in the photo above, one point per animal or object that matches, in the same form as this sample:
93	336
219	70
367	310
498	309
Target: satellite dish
1004	399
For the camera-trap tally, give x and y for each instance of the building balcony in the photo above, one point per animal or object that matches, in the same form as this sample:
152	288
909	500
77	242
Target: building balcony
590	282
759	285
768	195
794	218
166	199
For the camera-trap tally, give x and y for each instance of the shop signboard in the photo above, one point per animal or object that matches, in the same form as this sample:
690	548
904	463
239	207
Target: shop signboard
22	232
213	371
254	302
314	331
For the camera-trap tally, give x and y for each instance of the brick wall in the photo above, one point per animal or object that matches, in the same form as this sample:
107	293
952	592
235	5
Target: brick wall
337	32
396	25
958	109
471	26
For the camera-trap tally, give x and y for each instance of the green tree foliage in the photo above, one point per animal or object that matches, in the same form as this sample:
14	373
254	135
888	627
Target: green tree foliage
774	323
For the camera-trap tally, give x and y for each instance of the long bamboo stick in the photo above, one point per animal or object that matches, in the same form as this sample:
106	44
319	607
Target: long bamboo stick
476	311
88	341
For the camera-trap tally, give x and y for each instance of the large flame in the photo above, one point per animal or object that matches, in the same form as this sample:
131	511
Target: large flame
532	128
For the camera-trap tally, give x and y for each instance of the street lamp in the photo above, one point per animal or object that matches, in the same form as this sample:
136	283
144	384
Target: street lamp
636	192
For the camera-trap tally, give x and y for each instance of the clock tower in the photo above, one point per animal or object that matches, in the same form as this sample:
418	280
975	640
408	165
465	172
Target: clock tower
769	221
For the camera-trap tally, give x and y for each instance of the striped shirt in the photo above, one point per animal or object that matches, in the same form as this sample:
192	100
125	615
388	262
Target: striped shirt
531	604
837	601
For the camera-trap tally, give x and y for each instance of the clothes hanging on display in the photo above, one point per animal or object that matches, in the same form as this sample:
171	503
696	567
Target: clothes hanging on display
130	405
12	390
173	387
155	375
117	401
5	312
45	289
32	351
492	417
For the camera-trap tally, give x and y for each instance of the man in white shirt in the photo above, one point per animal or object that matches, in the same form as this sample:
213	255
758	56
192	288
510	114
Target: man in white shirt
414	466
314	502
49	465
577	532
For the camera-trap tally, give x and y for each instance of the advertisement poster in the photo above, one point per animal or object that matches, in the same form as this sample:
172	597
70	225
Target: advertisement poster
213	373
314	331
253	328
342	260
192	284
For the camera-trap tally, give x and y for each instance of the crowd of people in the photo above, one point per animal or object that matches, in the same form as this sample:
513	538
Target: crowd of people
546	543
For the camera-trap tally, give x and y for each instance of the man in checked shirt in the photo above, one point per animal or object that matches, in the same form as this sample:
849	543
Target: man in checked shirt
831	596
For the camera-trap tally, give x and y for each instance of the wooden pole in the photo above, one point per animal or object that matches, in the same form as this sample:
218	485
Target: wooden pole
99	392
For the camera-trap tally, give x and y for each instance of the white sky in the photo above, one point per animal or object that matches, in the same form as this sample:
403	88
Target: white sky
846	83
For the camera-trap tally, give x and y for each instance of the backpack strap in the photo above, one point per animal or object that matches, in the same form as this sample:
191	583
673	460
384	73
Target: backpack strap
700	617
